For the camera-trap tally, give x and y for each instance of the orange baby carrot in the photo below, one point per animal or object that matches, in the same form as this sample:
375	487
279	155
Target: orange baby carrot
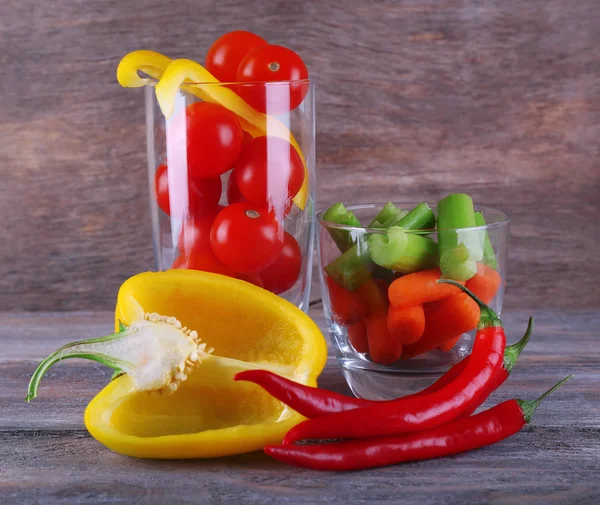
485	282
357	334
383	347
346	306
406	324
449	344
373	297
418	288
454	316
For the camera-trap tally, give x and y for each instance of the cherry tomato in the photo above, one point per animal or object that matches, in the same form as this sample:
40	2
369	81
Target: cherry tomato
246	238
247	138
269	171
161	189
283	273
213	136
269	64
203	195
226	53
252	279
202	259
195	233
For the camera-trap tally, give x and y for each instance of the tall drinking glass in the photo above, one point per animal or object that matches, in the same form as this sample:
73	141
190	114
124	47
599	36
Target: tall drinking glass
232	185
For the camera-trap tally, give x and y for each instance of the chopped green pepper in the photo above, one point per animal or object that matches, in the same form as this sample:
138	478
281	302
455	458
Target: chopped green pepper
459	250
353	267
388	216
489	256
338	214
403	251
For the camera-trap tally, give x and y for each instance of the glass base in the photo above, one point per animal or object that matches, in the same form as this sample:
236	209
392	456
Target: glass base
371	381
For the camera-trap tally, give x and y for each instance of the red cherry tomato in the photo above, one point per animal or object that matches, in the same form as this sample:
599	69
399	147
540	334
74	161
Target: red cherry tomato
203	195
251	278
161	189
283	273
247	138
202	259
269	171
213	136
246	238
226	53
195	233
269	64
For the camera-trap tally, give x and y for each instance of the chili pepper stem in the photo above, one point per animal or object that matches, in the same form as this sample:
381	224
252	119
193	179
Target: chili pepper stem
488	317
512	352
528	406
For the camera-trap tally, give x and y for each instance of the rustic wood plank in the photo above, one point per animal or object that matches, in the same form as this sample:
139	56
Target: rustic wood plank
47	457
415	99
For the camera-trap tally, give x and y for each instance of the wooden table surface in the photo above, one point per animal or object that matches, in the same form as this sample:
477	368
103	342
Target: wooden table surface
47	457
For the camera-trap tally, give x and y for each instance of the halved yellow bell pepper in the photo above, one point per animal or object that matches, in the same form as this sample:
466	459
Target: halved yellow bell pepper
174	74
208	414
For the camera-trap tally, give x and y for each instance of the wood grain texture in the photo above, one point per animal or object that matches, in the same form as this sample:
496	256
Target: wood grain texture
416	98
47	457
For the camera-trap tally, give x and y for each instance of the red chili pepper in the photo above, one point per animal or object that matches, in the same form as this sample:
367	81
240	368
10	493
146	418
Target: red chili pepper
422	412
314	402
460	435
308	401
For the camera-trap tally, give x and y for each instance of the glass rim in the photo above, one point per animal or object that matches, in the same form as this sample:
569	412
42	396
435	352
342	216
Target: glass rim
308	80
504	220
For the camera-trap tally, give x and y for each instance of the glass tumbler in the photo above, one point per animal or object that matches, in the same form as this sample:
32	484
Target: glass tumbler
232	182
392	335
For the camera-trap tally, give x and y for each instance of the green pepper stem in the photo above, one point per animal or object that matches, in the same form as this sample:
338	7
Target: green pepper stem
488	317
528	407
86	349
512	352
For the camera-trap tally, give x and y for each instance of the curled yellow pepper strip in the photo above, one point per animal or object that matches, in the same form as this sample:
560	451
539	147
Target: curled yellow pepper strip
172	74
150	62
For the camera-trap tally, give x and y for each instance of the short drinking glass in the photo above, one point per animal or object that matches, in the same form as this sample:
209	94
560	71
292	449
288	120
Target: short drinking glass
388	340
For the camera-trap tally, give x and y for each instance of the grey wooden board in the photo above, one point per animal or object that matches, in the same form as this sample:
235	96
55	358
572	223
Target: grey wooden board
415	99
48	458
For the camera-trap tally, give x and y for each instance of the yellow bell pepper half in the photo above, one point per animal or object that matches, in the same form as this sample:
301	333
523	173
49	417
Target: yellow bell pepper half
209	415
173	75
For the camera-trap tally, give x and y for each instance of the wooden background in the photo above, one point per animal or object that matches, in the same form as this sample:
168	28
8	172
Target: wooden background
416	98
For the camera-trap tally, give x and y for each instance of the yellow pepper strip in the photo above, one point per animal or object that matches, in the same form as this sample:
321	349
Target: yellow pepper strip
173	74
150	62
177	398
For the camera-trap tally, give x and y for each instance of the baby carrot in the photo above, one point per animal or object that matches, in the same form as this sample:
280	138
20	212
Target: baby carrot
347	307
406	324
357	335
484	283
383	347
454	316
373	298
418	288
